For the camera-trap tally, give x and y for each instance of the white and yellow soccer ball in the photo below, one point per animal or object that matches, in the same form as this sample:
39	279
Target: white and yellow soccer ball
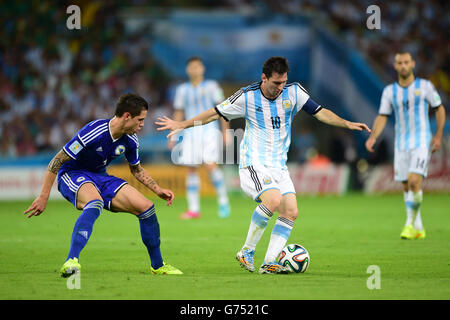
295	257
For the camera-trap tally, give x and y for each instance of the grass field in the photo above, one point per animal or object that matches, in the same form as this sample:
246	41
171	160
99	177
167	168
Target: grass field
344	235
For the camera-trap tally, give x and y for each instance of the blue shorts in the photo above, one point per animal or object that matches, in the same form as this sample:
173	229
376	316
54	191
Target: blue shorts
69	183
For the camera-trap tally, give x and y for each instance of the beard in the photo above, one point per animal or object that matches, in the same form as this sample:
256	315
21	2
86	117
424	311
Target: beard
405	75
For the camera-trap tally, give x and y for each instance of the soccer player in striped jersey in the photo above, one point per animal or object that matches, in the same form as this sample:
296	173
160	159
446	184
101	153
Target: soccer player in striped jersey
200	145
410	98
80	168
268	108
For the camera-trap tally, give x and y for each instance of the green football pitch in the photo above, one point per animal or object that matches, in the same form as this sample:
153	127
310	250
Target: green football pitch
344	235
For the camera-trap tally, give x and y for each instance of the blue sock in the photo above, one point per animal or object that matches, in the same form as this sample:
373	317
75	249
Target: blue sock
150	236
83	227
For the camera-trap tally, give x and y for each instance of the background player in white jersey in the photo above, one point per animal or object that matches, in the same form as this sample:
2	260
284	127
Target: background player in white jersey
200	145
268	108
80	168
410	98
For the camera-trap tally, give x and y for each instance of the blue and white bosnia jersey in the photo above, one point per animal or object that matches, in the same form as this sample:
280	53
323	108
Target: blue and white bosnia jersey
268	122
193	100
93	148
410	105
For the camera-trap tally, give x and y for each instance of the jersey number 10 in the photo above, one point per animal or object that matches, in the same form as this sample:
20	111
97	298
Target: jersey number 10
275	122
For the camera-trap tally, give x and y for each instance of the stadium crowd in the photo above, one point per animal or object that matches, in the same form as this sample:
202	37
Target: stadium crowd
415	26
52	81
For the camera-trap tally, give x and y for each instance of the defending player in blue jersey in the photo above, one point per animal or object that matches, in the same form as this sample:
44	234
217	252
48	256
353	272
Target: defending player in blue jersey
410	99
80	168
268	107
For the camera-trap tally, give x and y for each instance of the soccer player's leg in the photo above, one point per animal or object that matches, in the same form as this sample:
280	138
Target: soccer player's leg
218	180
402	161
416	196
192	195
408	231
251	184
89	200
288	212
128	199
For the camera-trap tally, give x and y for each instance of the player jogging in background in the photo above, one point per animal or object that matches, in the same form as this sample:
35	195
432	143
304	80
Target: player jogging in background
409	98
80	168
200	145
268	108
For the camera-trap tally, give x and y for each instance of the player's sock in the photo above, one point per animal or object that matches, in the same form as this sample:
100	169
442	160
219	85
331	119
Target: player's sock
192	192
407	197
280	234
218	181
83	227
150	236
417	202
418	222
260	219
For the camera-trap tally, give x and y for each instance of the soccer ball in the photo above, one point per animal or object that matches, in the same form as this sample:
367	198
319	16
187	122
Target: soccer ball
295	257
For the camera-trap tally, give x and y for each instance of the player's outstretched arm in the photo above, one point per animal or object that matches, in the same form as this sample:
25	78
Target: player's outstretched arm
144	177
377	129
329	117
203	118
39	204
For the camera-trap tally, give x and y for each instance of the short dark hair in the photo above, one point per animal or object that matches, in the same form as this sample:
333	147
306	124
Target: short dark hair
132	103
279	65
194	58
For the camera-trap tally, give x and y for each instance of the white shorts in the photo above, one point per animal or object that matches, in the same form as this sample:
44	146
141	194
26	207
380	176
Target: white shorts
198	148
411	161
257	179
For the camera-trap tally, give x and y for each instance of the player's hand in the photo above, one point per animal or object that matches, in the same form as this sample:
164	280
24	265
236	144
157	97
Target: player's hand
37	207
167	195
435	143
357	126
166	123
370	143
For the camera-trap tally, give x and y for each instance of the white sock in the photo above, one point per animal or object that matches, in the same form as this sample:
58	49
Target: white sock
280	234
192	192
414	201
218	180
258	224
408	204
418	223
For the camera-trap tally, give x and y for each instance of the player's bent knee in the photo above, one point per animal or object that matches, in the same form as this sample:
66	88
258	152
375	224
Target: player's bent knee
273	203
142	206
291	213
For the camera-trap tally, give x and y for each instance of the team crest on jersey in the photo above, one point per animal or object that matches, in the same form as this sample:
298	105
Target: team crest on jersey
417	92
287	104
223	104
267	180
119	150
75	147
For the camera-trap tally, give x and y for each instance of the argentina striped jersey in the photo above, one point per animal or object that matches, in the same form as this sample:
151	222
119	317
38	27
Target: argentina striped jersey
410	105
267	135
193	100
94	147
